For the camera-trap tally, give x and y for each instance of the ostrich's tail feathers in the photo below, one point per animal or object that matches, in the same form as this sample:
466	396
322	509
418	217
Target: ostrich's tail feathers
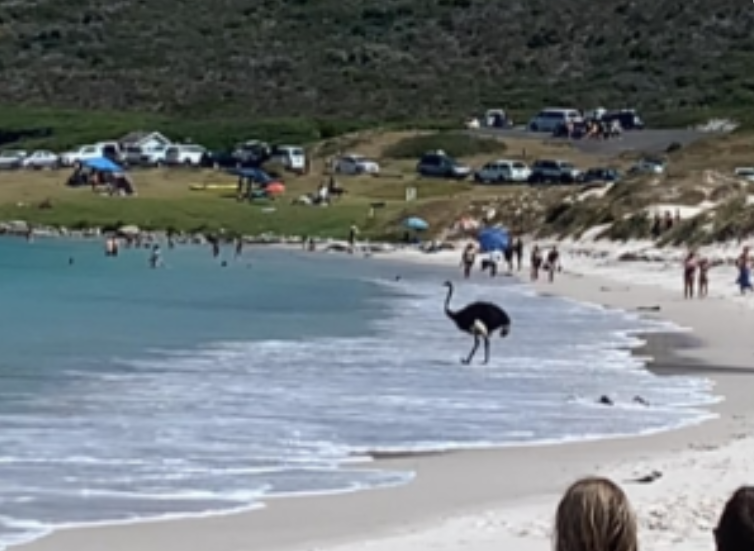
505	330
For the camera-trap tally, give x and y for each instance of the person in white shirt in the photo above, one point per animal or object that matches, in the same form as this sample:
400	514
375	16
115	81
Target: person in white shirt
495	259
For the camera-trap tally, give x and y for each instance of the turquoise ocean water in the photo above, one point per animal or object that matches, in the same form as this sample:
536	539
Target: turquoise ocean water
128	393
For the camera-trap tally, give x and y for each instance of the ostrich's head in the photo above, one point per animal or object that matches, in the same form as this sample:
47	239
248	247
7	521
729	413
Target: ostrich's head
447	284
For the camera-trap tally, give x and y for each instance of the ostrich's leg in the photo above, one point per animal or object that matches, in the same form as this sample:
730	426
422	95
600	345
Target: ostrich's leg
473	351
486	349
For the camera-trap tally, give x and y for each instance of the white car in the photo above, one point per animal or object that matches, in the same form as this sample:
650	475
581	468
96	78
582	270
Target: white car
41	159
649	166
185	154
155	155
550	119
747	173
292	157
356	164
88	152
12	158
503	170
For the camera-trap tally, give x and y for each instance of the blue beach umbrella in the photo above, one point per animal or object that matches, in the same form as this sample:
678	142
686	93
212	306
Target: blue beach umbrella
103	164
415	223
493	239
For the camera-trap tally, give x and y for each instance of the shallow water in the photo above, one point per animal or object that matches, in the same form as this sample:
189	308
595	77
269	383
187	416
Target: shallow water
128	393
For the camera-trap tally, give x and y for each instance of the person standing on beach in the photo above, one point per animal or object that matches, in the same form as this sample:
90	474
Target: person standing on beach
536	262
704	266
744	271
689	274
239	247
467	259
508	253
518	251
553	263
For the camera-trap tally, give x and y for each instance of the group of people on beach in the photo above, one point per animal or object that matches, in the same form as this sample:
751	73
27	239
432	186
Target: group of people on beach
696	274
513	256
695	270
595	515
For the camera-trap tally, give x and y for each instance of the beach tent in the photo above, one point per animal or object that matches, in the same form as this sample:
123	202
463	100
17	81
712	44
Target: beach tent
493	239
251	178
102	164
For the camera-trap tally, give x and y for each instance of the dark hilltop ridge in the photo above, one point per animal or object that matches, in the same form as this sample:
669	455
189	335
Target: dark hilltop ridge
377	59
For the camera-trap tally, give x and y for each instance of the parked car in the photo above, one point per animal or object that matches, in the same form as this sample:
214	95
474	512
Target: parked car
133	155
220	159
497	118
356	164
747	173
185	155
627	118
438	164
648	166
41	159
503	171
109	150
292	157
549	119
11	158
599	175
548	171
154	155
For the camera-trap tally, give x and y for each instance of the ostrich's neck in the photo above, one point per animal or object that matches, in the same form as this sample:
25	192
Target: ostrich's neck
448	311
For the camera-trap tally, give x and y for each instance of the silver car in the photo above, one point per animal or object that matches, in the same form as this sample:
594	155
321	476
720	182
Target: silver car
11	158
41	159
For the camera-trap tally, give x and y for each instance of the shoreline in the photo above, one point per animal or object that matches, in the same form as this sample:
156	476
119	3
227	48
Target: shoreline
488	477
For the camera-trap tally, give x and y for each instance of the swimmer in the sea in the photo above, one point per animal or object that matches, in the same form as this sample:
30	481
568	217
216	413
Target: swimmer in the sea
155	259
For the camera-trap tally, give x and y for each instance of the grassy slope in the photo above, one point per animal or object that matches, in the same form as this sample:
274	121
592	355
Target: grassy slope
165	199
382	60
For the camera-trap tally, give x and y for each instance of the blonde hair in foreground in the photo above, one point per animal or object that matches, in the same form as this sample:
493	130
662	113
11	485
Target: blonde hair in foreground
595	515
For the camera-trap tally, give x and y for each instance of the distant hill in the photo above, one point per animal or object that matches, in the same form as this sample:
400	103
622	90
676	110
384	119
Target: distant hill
386	59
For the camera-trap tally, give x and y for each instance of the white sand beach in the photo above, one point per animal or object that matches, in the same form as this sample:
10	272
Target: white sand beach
506	498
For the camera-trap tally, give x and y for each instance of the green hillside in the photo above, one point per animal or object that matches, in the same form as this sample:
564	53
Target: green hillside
383	60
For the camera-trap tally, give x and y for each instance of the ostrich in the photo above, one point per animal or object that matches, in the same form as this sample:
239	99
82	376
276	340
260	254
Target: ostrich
479	319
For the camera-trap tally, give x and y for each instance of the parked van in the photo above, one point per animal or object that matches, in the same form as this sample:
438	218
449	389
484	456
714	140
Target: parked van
293	158
551	118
